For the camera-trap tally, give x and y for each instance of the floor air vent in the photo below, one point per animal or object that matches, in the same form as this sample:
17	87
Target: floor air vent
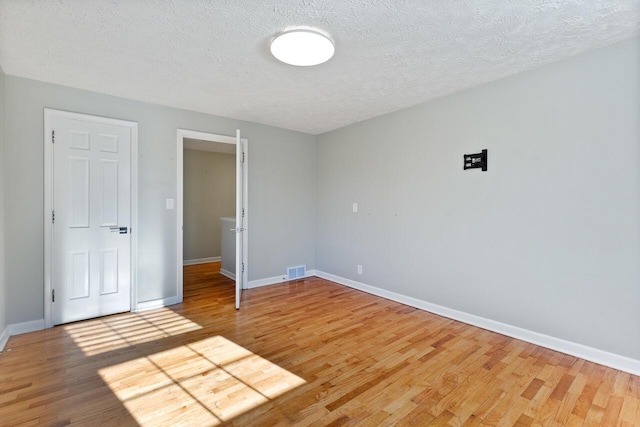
296	272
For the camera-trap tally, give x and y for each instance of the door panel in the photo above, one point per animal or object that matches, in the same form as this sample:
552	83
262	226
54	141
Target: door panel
109	188
109	271
79	274
91	199
79	187
239	219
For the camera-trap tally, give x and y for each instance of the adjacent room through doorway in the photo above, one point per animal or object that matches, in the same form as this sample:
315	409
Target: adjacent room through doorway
212	205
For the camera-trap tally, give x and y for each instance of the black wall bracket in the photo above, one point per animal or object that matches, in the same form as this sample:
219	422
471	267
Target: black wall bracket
478	160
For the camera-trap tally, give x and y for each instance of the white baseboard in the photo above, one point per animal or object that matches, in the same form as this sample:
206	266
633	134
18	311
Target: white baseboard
201	260
275	280
19	328
595	355
25	327
266	281
228	274
4	337
156	303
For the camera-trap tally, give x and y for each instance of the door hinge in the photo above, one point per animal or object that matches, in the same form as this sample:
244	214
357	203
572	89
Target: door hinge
53	217
53	136
243	157
243	267
242	212
53	295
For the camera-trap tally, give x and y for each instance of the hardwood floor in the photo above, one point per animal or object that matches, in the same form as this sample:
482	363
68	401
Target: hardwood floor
307	352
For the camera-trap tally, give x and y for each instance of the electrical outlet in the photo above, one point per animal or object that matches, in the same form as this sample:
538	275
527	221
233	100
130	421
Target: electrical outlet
359	269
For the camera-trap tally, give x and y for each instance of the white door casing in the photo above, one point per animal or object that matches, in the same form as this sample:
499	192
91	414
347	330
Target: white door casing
90	213
242	181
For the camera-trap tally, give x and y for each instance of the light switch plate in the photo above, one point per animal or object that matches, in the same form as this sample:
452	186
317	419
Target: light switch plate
171	204
355	207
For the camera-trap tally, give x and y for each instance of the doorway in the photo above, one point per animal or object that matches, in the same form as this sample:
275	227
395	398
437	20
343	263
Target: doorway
203	141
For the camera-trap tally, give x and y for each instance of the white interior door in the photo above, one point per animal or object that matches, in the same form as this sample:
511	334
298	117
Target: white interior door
240	214
91	235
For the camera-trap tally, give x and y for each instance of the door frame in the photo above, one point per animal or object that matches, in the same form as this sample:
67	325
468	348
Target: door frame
210	137
49	114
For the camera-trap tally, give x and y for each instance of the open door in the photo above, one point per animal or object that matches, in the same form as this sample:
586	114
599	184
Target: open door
240	214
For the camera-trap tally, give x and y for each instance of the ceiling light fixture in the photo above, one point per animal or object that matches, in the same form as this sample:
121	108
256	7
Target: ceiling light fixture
302	48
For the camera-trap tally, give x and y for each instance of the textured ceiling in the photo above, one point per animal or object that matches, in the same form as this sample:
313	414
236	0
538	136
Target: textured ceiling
213	55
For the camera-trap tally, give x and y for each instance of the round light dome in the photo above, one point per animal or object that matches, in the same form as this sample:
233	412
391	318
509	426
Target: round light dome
302	48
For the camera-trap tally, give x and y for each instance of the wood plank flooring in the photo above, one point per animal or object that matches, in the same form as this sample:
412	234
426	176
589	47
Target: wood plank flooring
307	352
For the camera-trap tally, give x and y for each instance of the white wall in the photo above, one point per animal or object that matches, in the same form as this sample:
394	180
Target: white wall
281	181
3	276
548	239
209	193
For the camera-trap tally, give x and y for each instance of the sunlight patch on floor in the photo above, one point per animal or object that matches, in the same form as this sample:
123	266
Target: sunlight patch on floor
205	382
117	332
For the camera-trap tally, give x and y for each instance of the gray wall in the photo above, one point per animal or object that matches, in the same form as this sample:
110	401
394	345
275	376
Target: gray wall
209	193
281	198
548	239
3	276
